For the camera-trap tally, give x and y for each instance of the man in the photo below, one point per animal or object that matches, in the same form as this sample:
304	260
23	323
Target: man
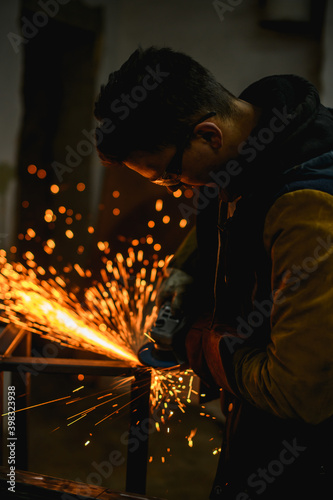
259	265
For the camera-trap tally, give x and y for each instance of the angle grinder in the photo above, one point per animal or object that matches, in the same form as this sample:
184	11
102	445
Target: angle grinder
167	349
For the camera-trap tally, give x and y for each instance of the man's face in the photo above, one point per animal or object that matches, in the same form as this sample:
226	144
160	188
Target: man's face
199	159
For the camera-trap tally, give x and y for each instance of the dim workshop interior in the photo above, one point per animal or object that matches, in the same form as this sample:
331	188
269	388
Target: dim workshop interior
84	248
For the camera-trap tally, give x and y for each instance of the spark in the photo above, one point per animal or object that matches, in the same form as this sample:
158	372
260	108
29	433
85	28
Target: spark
158	205
39	404
73	422
191	436
79	388
190	390
113	319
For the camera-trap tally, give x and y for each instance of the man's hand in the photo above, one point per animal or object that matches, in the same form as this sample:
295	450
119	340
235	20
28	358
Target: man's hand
178	289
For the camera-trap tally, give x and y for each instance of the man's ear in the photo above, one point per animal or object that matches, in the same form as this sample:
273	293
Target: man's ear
211	133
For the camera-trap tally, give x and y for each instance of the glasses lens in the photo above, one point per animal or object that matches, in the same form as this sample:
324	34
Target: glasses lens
173	171
167	180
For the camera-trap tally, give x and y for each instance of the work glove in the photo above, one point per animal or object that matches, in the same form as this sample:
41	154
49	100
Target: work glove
178	289
210	353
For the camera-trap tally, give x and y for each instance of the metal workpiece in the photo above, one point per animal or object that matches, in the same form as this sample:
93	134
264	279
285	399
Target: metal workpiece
16	340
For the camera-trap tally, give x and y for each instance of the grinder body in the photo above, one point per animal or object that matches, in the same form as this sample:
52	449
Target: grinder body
168	333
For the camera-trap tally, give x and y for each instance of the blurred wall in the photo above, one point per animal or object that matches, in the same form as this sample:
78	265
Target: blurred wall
11	115
327	70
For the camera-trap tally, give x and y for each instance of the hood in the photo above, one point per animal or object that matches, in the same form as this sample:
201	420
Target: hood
294	127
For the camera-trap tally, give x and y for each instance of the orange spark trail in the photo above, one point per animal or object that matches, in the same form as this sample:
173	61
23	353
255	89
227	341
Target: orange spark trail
111	320
64	320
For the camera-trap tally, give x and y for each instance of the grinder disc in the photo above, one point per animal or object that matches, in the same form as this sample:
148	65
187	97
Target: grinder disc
149	355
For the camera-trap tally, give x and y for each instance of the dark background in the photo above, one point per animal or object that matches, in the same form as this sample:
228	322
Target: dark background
49	81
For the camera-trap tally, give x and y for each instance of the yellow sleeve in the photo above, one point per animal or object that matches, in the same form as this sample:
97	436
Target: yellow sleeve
293	378
186	257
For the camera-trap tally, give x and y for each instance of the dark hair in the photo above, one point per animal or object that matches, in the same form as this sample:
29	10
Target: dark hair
151	102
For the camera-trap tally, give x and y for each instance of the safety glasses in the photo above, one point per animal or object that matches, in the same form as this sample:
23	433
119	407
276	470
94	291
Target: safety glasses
172	174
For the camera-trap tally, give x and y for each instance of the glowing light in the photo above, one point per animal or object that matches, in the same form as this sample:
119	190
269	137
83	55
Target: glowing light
81	186
41	173
112	318
158	205
54	189
188	193
116	211
48	307
48	217
178	193
69	220
31	232
79	270
116	194
69	234
166	219
151	224
62	209
183	223
32	169
50	243
191	436
157	247
91	230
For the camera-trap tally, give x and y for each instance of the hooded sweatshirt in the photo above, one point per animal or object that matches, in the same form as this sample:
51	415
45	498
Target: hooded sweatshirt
269	345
